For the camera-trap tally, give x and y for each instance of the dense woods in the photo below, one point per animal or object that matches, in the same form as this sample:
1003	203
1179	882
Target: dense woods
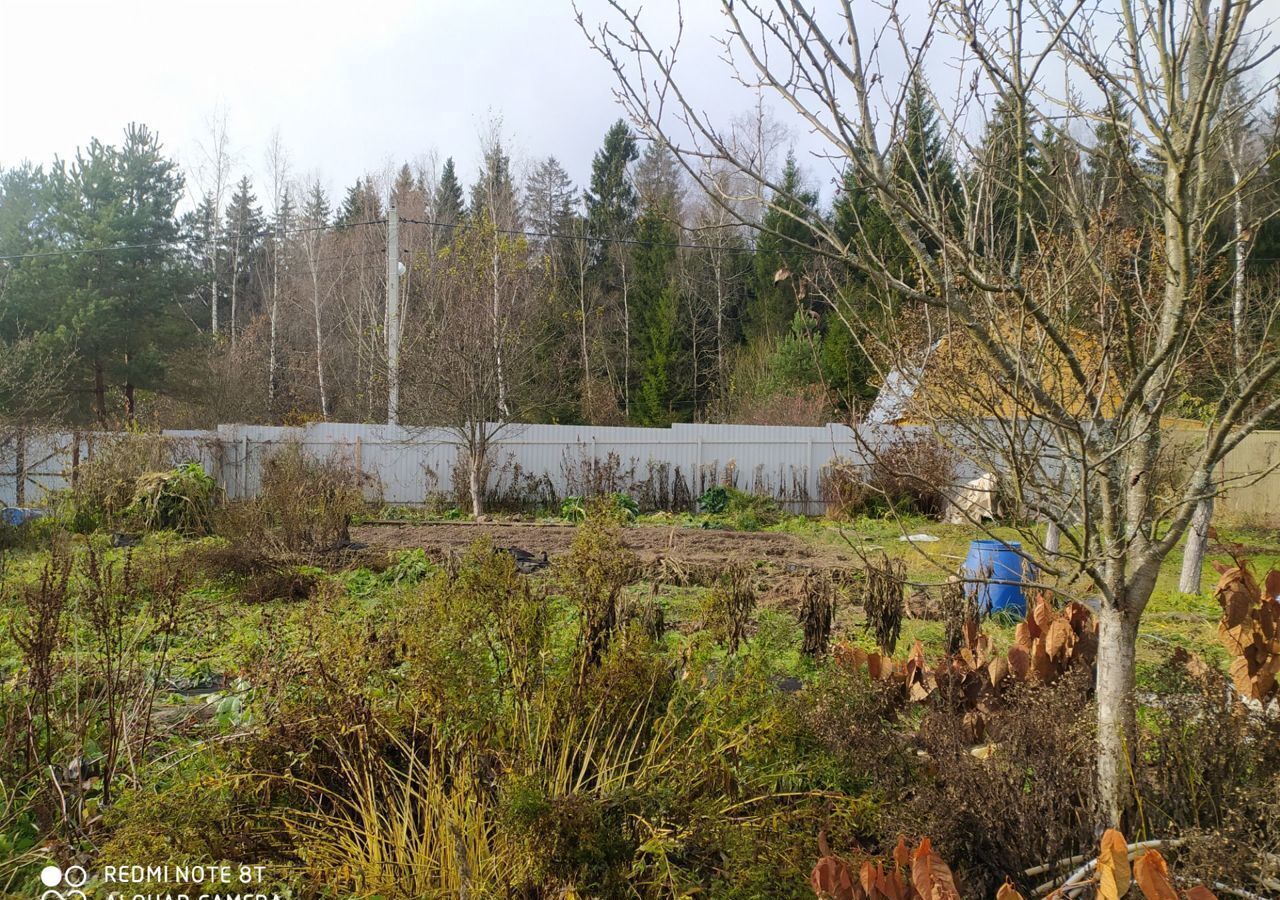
634	298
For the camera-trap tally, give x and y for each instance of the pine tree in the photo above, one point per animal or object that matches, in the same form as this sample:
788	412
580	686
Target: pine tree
494	193
1008	159
656	308
242	237
315	207
448	200
782	254
611	199
362	204
114	310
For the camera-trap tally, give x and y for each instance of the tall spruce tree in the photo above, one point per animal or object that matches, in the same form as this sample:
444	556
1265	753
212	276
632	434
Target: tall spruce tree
243	231
315	207
362	204
494	193
549	201
611	198
448	205
782	255
923	160
1010	172
611	217
656	309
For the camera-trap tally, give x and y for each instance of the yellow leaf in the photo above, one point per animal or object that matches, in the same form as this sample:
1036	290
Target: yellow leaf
1008	892
1113	866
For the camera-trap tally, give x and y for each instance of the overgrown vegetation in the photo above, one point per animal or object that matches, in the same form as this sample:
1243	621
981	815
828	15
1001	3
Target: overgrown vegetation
415	725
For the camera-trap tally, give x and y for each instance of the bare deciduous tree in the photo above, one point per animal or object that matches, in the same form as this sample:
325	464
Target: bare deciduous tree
1087	323
474	368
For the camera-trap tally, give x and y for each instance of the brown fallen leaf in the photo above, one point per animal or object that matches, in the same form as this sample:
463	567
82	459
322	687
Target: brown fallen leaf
1152	874
931	876
832	879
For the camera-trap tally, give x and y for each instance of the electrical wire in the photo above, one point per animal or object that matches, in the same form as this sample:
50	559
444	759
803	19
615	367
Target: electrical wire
176	242
590	238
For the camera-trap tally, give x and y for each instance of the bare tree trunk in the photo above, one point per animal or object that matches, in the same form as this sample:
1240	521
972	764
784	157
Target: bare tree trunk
1240	250
496	312
1052	538
277	165
213	278
272	363
626	336
475	479
1117	676
582	312
315	306
1197	544
235	279
717	269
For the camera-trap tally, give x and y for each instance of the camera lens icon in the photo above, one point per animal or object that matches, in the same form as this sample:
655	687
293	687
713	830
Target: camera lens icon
74	877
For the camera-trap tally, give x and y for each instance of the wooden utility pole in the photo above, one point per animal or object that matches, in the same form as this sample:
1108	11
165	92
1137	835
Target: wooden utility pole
393	313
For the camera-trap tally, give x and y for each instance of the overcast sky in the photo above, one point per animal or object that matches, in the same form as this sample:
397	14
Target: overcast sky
351	87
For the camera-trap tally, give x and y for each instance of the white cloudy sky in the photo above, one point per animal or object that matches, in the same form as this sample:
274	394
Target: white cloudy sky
351	87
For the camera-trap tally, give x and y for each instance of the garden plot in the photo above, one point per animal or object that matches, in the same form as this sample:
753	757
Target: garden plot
651	544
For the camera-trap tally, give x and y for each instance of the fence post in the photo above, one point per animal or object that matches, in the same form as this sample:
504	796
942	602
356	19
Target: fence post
810	479
75	458
20	468
244	467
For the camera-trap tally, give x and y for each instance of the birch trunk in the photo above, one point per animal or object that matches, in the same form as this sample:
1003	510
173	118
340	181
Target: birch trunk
1197	544
315	306
497	331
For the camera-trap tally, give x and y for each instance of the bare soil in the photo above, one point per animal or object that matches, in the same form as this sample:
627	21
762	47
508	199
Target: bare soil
780	553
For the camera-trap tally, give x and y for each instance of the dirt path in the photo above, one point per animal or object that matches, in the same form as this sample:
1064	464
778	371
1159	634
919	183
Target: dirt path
650	543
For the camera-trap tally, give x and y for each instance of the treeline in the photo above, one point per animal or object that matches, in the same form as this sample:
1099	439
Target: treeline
637	298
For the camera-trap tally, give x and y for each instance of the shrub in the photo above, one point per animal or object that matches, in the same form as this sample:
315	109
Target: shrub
716	500
844	489
728	607
739	509
181	499
304	505
106	485
913	474
592	575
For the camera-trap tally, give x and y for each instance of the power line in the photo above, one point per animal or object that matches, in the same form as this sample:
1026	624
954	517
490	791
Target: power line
635	242
121	248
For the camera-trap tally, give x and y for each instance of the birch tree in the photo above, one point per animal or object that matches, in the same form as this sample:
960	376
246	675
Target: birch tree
1084	341
215	174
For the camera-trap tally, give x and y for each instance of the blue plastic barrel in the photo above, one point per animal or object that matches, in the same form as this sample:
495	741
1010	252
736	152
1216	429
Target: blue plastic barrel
998	561
19	515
